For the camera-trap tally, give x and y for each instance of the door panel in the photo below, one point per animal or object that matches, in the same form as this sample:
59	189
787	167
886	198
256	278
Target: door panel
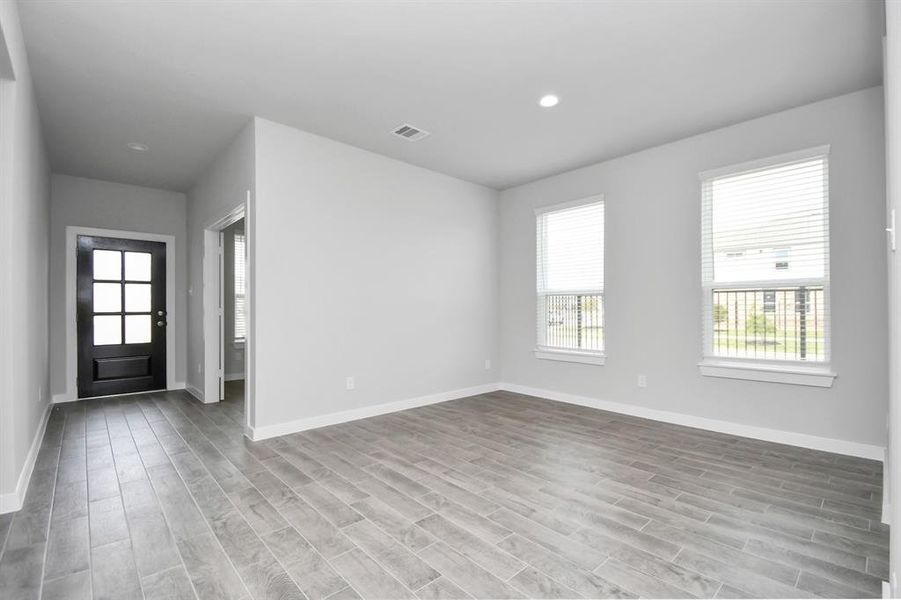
121	290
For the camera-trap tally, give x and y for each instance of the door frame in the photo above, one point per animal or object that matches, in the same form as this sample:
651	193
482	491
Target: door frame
213	344
891	489
72	233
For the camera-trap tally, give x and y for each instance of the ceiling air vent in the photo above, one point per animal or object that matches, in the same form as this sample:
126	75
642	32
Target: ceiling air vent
410	133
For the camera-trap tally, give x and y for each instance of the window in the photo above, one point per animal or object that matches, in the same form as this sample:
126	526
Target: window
240	287
570	252
765	261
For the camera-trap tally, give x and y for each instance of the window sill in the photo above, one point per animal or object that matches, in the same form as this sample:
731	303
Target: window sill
819	376
587	358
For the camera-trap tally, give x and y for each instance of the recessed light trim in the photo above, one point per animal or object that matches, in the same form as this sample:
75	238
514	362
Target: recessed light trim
548	101
137	147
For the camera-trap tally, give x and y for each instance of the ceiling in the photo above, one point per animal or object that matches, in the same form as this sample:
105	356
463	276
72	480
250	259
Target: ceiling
184	77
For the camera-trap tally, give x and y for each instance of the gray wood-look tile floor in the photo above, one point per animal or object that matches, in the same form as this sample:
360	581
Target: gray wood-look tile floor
495	496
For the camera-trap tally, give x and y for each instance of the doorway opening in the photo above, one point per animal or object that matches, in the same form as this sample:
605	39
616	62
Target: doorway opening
226	314
234	302
163	300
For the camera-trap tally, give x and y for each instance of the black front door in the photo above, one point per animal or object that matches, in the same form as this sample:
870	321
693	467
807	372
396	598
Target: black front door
121	316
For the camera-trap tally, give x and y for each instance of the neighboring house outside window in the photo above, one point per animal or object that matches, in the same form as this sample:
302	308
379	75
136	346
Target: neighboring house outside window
570	281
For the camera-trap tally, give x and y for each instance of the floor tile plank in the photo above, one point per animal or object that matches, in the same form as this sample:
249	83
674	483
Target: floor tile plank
368	577
408	568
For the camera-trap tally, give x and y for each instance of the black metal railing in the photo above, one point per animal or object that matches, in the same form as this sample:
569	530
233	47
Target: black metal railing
574	321
786	323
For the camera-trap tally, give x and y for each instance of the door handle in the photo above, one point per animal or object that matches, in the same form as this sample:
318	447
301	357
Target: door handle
160	323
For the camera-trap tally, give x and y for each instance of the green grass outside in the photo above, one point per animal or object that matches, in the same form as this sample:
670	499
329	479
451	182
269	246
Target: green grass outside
789	344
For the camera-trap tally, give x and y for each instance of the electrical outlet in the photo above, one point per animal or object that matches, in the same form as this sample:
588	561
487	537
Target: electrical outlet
487	364
199	368
642	381
350	383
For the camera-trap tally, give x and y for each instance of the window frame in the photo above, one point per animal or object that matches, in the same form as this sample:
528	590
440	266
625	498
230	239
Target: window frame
542	350
819	373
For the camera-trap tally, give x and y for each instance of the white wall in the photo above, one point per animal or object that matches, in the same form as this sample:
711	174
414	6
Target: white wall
234	354
221	188
367	267
24	225
92	203
653	276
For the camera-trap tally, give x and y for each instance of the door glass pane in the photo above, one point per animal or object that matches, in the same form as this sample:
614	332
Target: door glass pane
107	264
137	297
137	266
137	329
107	330
107	297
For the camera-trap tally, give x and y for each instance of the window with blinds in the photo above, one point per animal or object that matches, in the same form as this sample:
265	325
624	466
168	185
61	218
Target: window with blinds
765	259
240	288
570	252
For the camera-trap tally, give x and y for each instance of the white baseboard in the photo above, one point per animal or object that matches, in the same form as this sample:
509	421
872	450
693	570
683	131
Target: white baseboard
234	376
12	501
269	431
194	391
178	385
62	398
791	438
760	433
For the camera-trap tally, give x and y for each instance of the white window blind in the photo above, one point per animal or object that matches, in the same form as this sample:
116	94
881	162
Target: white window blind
765	259
240	287
571	277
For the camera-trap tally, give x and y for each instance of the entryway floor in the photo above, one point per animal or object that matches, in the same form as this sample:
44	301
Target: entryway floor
494	496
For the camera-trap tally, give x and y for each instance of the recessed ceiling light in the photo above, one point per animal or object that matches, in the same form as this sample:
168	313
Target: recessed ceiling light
548	101
138	147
